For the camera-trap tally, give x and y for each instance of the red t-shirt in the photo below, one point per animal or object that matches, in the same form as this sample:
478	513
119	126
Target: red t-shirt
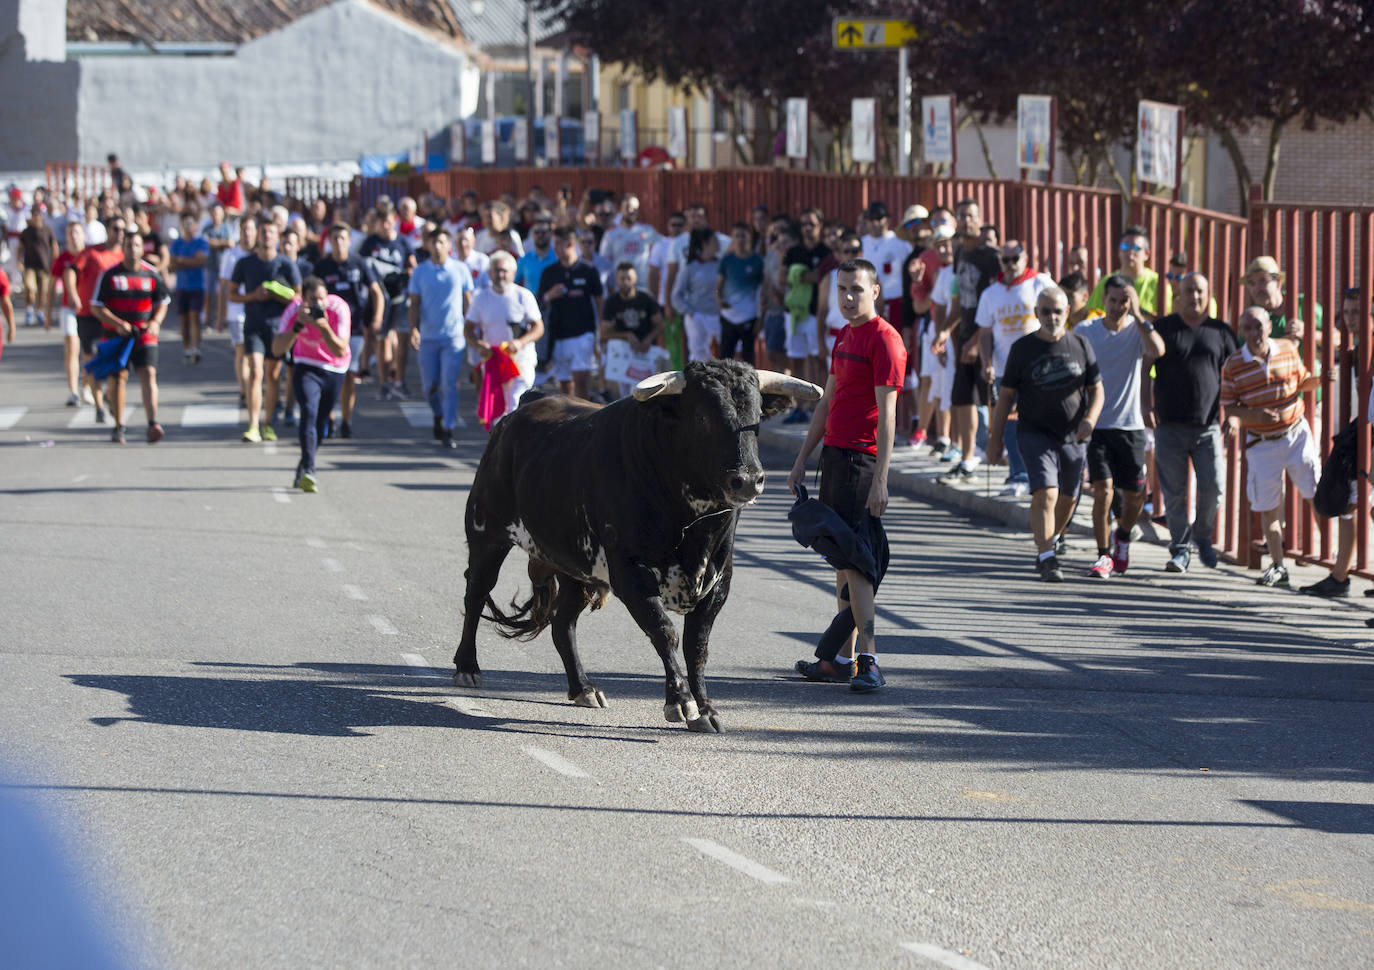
89	264
866	356
230	194
4	284
63	260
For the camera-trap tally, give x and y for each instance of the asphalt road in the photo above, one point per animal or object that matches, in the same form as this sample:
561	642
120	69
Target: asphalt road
230	705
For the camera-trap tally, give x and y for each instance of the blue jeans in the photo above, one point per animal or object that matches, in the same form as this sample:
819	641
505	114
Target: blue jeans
1175	446
1016	468
317	390
441	367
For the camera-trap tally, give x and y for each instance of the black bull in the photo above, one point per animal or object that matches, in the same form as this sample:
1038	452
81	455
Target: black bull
639	498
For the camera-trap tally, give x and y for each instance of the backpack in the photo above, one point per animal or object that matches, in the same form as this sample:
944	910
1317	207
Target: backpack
1332	496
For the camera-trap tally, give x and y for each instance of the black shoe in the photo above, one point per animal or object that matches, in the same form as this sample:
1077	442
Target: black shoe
824	671
438	429
1206	554
345	429
1329	587
1050	571
118	435
867	677
446	441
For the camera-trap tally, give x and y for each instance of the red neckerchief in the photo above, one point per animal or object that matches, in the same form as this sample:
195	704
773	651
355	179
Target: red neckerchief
1030	271
407	227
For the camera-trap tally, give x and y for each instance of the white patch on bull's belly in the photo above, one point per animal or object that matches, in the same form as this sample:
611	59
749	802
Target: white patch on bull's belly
520	536
681	592
601	570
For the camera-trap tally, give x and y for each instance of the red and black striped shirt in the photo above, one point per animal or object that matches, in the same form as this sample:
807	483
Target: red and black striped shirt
133	295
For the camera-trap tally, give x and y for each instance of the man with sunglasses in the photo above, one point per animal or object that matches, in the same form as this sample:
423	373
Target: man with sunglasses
1135	257
1006	313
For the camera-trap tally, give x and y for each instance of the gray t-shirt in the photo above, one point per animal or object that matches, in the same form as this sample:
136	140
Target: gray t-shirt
1118	359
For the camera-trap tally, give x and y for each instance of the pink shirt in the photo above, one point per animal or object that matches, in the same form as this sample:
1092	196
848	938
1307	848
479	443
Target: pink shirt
310	347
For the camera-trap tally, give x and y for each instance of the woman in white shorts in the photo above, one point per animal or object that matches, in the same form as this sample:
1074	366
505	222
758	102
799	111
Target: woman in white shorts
694	293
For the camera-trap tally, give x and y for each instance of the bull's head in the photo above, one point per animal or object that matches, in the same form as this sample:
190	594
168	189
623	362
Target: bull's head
716	408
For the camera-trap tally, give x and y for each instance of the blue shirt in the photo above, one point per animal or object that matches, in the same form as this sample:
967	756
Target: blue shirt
743	277
191	279
440	289
531	266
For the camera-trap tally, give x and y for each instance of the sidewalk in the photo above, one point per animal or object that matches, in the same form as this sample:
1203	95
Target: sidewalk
916	476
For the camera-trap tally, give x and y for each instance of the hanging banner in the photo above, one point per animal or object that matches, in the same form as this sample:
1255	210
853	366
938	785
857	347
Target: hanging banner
1035	132
1157	143
457	147
797	135
591	136
629	135
488	142
521	139
553	143
937	130
863	126
677	133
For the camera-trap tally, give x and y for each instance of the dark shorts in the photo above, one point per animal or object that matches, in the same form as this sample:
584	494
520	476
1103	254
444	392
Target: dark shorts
1118	456
258	337
969	387
846	477
1051	462
143	355
90	332
396	317
737	336
775	331
190	301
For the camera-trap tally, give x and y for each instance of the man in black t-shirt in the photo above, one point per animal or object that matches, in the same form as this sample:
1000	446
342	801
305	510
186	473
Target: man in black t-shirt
352	281
631	315
976	266
570	290
1051	376
266	281
392	259
1186	415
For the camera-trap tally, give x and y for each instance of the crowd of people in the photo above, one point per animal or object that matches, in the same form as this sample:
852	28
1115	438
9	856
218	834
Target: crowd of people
1118	378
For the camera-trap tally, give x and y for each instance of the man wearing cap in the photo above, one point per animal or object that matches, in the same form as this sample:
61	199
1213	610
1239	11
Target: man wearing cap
1264	285
885	250
1135	258
1261	389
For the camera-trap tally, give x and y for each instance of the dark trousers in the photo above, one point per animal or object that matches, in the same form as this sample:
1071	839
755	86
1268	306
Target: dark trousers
739	335
317	390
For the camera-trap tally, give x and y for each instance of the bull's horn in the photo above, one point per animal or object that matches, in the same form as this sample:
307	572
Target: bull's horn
669	382
771	382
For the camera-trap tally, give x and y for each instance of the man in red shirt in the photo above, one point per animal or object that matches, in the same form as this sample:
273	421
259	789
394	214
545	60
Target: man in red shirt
857	418
131	301
230	191
87	269
6	309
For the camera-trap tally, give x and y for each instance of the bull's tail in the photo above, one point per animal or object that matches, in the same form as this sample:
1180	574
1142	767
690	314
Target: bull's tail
526	620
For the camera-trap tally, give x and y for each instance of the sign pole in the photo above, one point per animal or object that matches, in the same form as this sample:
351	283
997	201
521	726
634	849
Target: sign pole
1178	153
903	113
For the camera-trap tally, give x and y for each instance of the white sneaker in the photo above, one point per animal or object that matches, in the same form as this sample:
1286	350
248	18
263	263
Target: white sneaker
1016	490
86	397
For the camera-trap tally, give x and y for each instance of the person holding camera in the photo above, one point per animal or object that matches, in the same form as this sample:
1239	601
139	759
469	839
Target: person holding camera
315	330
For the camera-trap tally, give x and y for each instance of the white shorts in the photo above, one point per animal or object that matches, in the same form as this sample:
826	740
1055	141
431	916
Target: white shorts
235	331
68	317
802	339
941	375
355	349
1267	461
700	329
573	354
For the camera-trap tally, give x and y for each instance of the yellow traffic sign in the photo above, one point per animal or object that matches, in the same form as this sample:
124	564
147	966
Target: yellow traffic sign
867	33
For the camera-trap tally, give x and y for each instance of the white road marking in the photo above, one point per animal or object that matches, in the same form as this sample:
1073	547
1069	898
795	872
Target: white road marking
940	955
464	706
353	592
269	447
736	861
9	417
382	625
417	414
79	479
422	665
333	565
209	415
279	493
315	542
557	762
85	418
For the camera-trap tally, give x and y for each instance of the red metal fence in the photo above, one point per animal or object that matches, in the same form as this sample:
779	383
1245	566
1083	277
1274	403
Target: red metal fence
64	177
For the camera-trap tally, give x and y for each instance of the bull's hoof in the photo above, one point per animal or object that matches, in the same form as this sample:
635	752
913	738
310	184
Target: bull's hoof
463	679
709	723
591	697
677	713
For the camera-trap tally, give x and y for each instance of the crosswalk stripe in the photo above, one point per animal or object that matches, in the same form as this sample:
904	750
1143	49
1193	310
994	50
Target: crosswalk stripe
9	417
209	415
417	414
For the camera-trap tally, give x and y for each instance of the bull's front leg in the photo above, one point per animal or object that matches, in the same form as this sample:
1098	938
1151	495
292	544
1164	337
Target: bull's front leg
637	588
696	632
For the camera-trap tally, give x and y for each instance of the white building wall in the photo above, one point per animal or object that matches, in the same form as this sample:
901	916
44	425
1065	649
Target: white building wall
38	92
343	81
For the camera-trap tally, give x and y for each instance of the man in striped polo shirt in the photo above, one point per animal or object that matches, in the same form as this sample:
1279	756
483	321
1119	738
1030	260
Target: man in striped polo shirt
1261	389
130	300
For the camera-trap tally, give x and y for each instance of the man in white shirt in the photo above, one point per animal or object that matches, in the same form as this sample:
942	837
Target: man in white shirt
885	250
631	240
506	313
465	252
1006	313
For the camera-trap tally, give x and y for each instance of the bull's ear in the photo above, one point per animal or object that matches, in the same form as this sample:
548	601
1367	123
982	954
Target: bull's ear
775	404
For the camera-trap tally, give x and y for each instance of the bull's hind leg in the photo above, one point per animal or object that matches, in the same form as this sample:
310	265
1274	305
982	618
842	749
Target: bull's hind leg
485	555
568	605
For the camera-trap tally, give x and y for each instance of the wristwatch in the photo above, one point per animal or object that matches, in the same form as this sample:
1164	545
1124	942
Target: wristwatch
1146	325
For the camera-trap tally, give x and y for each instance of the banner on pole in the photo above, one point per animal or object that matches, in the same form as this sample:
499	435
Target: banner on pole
937	130
591	134
1157	143
457	149
677	133
797	135
629	137
488	142
522	139
553	142
863	126
1035	132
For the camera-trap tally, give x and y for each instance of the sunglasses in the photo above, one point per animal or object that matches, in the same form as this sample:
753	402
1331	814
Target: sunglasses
1011	260
852	252
1133	248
